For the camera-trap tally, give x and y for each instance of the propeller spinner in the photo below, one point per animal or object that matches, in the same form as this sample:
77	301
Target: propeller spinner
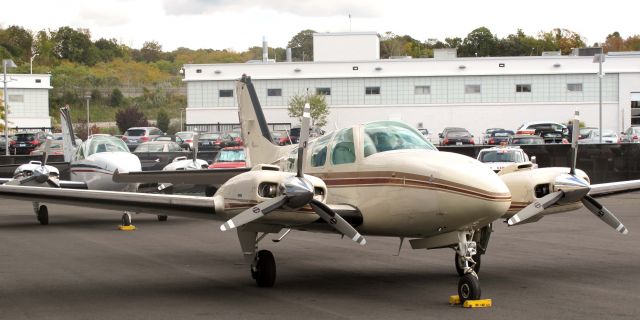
296	192
570	188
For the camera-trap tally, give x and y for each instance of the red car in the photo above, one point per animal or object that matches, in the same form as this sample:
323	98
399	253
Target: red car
229	157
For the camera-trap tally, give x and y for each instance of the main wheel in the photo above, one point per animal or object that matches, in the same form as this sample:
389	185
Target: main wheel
43	215
459	263
468	288
126	219
162	218
265	269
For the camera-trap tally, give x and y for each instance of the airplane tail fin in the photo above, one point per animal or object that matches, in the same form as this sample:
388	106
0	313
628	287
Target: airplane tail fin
68	137
260	148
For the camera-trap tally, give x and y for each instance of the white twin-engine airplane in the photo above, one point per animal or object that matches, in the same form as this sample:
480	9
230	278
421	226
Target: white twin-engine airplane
378	179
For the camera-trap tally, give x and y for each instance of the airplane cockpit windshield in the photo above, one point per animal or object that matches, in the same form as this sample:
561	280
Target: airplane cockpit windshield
391	135
106	144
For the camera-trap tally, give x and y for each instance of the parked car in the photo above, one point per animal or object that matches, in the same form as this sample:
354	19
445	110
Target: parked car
551	132
282	138
136	135
56	148
58	136
608	136
313	132
525	139
230	157
25	142
184	145
486	135
3	144
499	157
497	137
584	132
209	141
630	135
155	155
231	139
187	136
455	136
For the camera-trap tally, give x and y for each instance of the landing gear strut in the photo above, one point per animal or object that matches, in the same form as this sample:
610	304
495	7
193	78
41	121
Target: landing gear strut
263	264
468	285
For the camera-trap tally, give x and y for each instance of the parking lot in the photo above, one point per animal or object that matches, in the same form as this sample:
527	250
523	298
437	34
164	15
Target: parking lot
569	266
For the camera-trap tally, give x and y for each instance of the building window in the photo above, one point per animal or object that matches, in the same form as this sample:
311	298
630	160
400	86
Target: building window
274	92
226	93
38	81
420	90
471	88
16	98
574	87
198	70
372	90
323	91
523	88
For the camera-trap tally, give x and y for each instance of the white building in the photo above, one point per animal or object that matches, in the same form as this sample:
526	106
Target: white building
476	93
28	100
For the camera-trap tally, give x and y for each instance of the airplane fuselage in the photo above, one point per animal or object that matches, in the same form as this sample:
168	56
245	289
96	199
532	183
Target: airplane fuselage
97	170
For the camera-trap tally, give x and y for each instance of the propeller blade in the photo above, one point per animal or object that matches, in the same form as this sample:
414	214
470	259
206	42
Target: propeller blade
45	154
28	179
575	131
605	215
337	222
196	138
254	213
535	208
304	137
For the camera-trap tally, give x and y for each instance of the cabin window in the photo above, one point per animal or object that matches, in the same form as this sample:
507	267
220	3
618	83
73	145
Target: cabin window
343	148
319	151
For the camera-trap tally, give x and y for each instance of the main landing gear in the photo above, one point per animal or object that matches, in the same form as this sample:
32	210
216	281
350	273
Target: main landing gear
42	213
468	285
126	219
263	264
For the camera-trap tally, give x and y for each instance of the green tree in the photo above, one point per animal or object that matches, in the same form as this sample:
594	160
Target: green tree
162	121
318	105
151	51
518	44
117	98
108	49
74	45
302	46
18	42
130	117
479	43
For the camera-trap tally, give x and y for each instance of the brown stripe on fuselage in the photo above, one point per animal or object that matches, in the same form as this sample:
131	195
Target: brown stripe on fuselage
246	204
392	178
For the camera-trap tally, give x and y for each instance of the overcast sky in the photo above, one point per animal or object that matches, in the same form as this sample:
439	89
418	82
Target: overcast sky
240	24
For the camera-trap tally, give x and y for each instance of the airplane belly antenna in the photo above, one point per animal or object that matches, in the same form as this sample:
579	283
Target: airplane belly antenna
296	192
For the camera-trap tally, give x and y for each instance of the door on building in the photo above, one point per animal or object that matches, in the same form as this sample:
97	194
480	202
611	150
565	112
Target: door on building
635	108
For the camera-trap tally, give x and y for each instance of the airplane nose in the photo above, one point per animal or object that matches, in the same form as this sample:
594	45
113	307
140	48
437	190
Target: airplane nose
476	195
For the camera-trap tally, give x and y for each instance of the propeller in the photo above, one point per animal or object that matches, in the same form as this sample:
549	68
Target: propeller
42	174
196	138
296	192
570	188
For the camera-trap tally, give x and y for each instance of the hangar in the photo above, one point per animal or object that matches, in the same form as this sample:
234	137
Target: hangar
476	93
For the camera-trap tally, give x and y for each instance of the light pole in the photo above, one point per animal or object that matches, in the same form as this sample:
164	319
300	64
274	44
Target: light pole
31	63
181	122
88	97
6	63
599	59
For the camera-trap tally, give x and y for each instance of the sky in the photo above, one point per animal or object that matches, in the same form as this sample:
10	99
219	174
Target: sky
240	24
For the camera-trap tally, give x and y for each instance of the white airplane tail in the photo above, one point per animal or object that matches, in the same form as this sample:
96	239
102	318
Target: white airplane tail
68	137
256	135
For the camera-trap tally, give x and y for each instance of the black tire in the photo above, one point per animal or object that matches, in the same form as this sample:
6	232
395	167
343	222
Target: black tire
209	191
265	269
459	265
162	218
126	219
469	288
43	215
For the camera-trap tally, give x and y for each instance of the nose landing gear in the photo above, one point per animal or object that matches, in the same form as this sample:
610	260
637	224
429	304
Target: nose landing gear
469	284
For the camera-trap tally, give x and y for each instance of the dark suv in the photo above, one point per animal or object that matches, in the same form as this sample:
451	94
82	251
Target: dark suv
25	142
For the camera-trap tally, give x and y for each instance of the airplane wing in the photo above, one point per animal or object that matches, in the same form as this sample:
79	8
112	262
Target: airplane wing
603	189
5	180
174	205
65	184
199	177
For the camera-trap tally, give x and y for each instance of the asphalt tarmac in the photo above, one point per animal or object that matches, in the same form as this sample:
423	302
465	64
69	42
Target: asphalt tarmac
568	266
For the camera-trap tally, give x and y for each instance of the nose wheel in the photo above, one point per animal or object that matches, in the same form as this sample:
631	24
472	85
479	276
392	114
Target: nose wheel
466	266
126	219
43	215
469	287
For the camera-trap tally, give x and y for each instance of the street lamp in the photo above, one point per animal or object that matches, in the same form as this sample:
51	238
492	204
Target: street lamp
88	97
31	63
599	59
6	63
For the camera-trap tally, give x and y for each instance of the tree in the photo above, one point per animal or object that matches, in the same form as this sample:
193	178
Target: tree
130	117
74	45
18	42
116	98
162	121
479	43
614	42
108	49
319	109
302	46
151	51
